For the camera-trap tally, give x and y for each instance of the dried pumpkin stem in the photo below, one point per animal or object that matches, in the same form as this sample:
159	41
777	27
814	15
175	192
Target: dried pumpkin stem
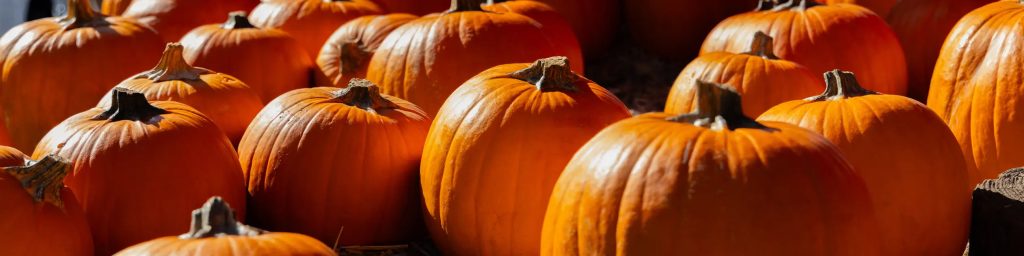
765	5
798	5
126	104
81	14
489	2
172	66
362	93
237	20
549	74
840	85
763	46
42	179
353	56
718	107
466	6
216	218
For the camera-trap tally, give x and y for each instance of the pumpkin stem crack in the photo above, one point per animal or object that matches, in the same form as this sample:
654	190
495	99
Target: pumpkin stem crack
237	20
840	85
216	218
80	14
126	104
42	179
763	46
362	93
172	66
718	107
549	74
466	6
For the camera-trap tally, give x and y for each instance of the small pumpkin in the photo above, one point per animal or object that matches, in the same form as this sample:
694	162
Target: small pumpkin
554	26
216	231
418	7
346	55
114	7
822	38
173	18
710	181
227	101
268	60
918	179
311	21
52	68
40	216
496	148
763	79
672	29
360	147
880	7
595	22
138	166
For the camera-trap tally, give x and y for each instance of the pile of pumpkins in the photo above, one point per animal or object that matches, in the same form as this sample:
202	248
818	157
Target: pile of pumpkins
350	122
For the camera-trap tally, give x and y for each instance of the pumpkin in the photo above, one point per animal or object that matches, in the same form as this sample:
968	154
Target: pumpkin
138	166
595	22
114	7
216	231
822	38
425	60
918	180
268	60
551	22
975	88
347	52
173	18
40	216
311	21
709	181
361	148
228	102
496	148
418	7
55	67
880	7
762	78
922	26
672	29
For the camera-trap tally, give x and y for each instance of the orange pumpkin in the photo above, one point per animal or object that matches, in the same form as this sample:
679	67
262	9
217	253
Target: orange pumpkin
672	29
485	179
138	167
918	180
822	38
595	22
173	18
114	7
762	78
228	102
47	220
268	60
347	53
55	67
215	231
425	60
311	21
363	148
710	181
418	7
554	26
880	7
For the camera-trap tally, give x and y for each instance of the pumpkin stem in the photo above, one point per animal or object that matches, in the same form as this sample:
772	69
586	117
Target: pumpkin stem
237	20
353	55
42	179
172	66
796	5
718	107
549	74
81	14
126	104
765	5
840	85
466	6
763	46
362	93
216	218
490	2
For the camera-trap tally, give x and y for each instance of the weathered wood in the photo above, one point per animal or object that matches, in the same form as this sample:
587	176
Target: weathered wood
997	224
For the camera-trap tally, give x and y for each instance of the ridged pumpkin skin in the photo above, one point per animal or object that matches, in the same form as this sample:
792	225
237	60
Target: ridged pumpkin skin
114	7
594	22
822	38
880	7
711	181
268	60
311	22
173	18
673	29
554	26
975	88
54	225
55	67
425	60
763	79
916	176
417	7
351	163
922	26
346	54
496	148
136	171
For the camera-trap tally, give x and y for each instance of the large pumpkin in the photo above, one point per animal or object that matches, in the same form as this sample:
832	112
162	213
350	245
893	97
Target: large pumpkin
173	18
880	7
417	7
40	216
822	38
346	54
268	60
114	7
595	22
425	60
709	181
496	148
361	147
976	87
311	21
137	168
55	67
673	29
922	26
216	231
909	159
763	79
227	101
554	26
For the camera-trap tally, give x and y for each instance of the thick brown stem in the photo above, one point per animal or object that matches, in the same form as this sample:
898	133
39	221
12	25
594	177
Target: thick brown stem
237	20
549	74
126	104
718	107
362	93
81	14
42	179
172	66
466	6
216	218
841	85
353	56
763	46
796	5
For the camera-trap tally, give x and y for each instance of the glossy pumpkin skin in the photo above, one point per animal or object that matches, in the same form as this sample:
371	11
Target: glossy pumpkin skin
345	166
553	24
311	22
594	22
822	38
114	7
72	65
672	29
173	18
418	7
346	54
178	158
917	178
489	162
880	7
